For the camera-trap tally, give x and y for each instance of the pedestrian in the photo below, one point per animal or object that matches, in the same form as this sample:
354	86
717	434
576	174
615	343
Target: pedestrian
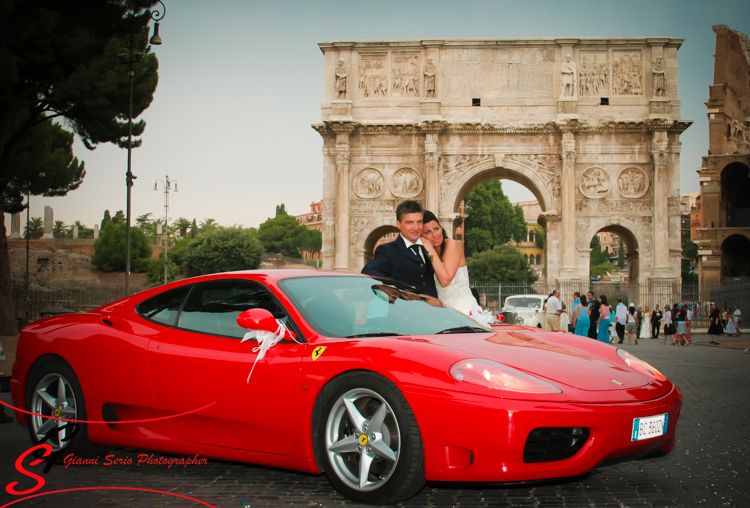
714	324
688	320
553	308
724	318
680	317
632	323
729	319
621	316
581	315
669	330
593	315
737	321
604	310
656	321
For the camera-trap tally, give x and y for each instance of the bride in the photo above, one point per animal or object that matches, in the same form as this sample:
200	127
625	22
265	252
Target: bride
646	324
451	274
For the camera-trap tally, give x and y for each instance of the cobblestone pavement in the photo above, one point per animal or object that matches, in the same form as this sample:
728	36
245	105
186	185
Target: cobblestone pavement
709	466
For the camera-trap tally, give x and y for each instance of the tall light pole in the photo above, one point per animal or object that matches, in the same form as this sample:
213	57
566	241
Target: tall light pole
130	59
167	184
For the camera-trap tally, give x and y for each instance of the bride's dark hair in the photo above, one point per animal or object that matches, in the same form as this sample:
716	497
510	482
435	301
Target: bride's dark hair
429	217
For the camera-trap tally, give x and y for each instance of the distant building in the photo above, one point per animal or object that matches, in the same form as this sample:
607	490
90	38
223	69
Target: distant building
696	218
313	220
723	237
532	252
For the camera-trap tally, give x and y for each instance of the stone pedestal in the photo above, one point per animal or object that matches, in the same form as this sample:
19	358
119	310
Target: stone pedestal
15	226
49	222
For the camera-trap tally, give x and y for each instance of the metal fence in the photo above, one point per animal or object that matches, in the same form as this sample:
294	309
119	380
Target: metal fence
726	294
79	300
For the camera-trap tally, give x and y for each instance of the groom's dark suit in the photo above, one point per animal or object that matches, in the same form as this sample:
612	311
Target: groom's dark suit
396	261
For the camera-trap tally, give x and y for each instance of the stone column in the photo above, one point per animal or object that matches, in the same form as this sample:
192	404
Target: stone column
552	248
431	164
343	160
49	221
96	231
15	226
75	231
661	205
568	205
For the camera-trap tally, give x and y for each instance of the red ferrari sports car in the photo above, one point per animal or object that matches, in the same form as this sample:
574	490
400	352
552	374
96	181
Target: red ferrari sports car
380	388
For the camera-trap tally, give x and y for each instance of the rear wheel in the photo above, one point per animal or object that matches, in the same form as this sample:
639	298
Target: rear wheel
368	440
54	392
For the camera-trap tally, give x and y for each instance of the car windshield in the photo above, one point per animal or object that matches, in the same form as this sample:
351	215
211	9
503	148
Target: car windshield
340	306
524	303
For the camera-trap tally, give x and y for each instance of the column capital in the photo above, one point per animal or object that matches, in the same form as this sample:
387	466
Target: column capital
343	127
660	157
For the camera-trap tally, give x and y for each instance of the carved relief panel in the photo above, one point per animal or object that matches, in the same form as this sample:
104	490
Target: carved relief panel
405	75
546	166
406	183
368	183
594	183
373	75
593	74
453	166
373	207
632	182
627	73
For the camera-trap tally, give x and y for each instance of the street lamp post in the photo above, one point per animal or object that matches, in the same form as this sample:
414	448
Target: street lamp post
129	177
167	183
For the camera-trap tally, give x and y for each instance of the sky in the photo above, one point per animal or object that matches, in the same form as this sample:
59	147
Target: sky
241	82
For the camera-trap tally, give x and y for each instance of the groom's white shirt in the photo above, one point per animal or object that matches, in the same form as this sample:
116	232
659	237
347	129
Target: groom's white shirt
409	244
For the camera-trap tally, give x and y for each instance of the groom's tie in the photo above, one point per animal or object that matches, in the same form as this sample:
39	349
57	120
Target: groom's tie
416	250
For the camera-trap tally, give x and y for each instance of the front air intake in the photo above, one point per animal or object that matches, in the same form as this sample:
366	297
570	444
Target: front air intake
554	443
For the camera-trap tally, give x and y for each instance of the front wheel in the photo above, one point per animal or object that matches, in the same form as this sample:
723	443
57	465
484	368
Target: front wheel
368	440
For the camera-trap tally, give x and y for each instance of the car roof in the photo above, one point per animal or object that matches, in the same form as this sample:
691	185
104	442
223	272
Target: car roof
279	274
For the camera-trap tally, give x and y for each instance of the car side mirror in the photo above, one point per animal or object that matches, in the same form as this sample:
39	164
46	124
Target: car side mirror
262	320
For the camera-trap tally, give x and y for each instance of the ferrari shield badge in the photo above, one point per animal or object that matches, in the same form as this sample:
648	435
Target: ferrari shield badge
317	352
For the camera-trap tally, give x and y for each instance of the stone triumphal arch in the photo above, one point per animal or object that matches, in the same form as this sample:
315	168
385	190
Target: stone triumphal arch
590	126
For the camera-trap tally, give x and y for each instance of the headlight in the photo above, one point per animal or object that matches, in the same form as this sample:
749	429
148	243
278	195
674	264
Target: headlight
499	377
519	320
640	365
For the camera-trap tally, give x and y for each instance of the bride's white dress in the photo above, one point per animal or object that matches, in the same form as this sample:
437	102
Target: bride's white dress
457	295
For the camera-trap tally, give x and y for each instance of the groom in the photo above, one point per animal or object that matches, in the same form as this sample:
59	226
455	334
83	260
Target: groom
405	259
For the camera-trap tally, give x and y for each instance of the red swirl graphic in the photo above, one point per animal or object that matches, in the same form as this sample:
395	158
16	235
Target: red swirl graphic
90	421
109	488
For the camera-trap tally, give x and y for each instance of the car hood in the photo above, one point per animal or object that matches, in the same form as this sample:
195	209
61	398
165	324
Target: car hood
564	359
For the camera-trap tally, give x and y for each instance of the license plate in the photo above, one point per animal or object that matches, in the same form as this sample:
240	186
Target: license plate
652	426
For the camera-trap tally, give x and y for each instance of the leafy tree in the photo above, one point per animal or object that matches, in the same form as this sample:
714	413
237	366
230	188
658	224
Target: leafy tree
280	210
502	264
179	252
282	234
208	225
310	240
59	230
690	251
622	258
59	60
689	255
492	219
109	249
224	250
143	221
193	229
182	224
35	229
601	269
598	256
105	220
119	217
155	273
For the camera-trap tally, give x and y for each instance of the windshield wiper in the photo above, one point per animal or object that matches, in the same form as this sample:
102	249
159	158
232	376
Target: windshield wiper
464	329
373	334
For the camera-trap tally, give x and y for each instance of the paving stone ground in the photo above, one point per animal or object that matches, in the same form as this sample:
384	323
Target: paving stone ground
710	465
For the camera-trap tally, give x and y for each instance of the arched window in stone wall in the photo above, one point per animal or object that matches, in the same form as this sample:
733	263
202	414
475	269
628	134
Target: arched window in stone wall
526	257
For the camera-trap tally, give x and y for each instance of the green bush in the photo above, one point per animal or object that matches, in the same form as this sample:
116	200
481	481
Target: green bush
224	250
109	249
156	271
